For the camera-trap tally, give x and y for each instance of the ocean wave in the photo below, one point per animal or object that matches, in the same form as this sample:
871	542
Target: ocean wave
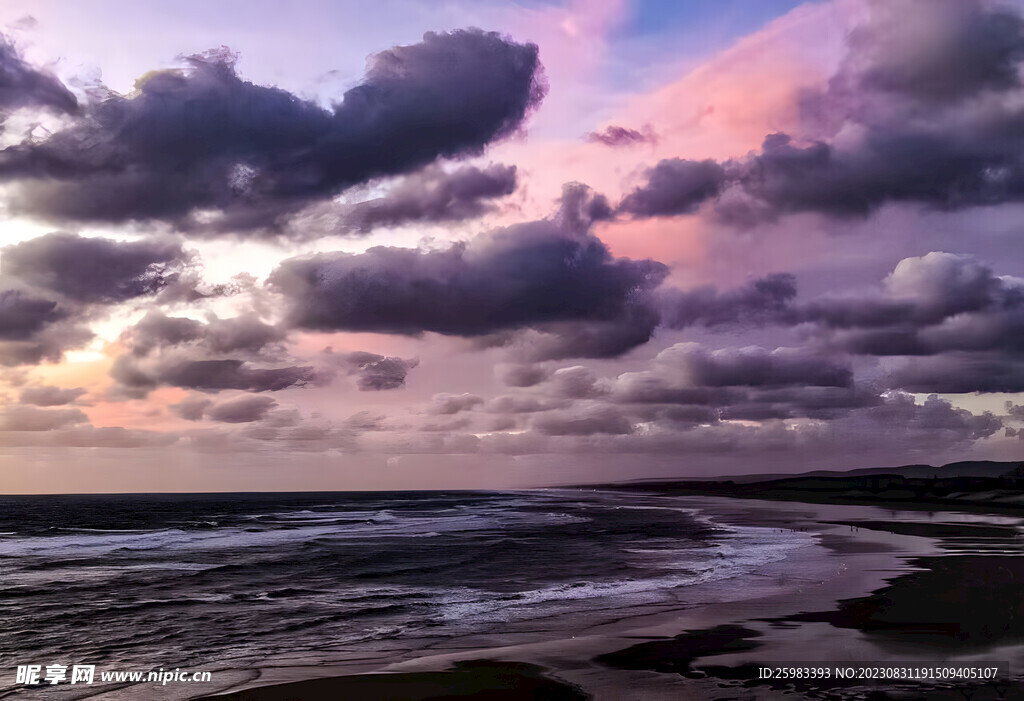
745	549
224	577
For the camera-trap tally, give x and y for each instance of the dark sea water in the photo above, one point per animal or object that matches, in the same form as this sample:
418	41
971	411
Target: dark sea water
194	580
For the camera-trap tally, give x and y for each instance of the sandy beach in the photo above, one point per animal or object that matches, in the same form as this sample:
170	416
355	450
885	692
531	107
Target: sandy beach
916	587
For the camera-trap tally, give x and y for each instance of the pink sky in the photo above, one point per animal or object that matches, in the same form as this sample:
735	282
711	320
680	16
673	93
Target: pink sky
333	434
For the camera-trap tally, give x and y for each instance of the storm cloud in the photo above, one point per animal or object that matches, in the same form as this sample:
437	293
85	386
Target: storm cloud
373	372
94	270
208	375
920	291
51	286
23	85
378	372
547	289
202	138
755	367
22	315
925	111
33	329
522	375
760	301
960	373
958	325
592	353
536	274
434	195
675	186
949	321
245	333
951	51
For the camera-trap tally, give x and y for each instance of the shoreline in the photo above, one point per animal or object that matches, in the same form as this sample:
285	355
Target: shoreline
848	563
985	496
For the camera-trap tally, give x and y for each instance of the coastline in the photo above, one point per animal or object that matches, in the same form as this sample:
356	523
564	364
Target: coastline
850	562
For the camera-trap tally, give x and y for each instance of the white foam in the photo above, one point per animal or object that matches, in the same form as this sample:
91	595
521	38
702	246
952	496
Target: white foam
87	543
739	550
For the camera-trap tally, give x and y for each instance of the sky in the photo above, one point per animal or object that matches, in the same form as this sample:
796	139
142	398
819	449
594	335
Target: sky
250	246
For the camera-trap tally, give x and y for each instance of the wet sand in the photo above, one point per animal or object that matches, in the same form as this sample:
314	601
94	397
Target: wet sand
881	585
478	679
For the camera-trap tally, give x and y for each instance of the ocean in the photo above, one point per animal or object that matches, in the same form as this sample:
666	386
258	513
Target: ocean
234	581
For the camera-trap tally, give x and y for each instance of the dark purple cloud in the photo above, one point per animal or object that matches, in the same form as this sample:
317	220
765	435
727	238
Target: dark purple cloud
522	375
633	327
576	382
546	289
208	356
233	353
675	416
378	372
94	270
951	51
929	111
208	375
204	138
956	323
921	292
690	398
245	333
33	328
22	315
671	384
760	301
959	324
535	274
51	286
664	386
617	136
753	366
47	345
675	186
373	372
895	426
750	383
934	415
435	195
23	85
952	373
579	208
